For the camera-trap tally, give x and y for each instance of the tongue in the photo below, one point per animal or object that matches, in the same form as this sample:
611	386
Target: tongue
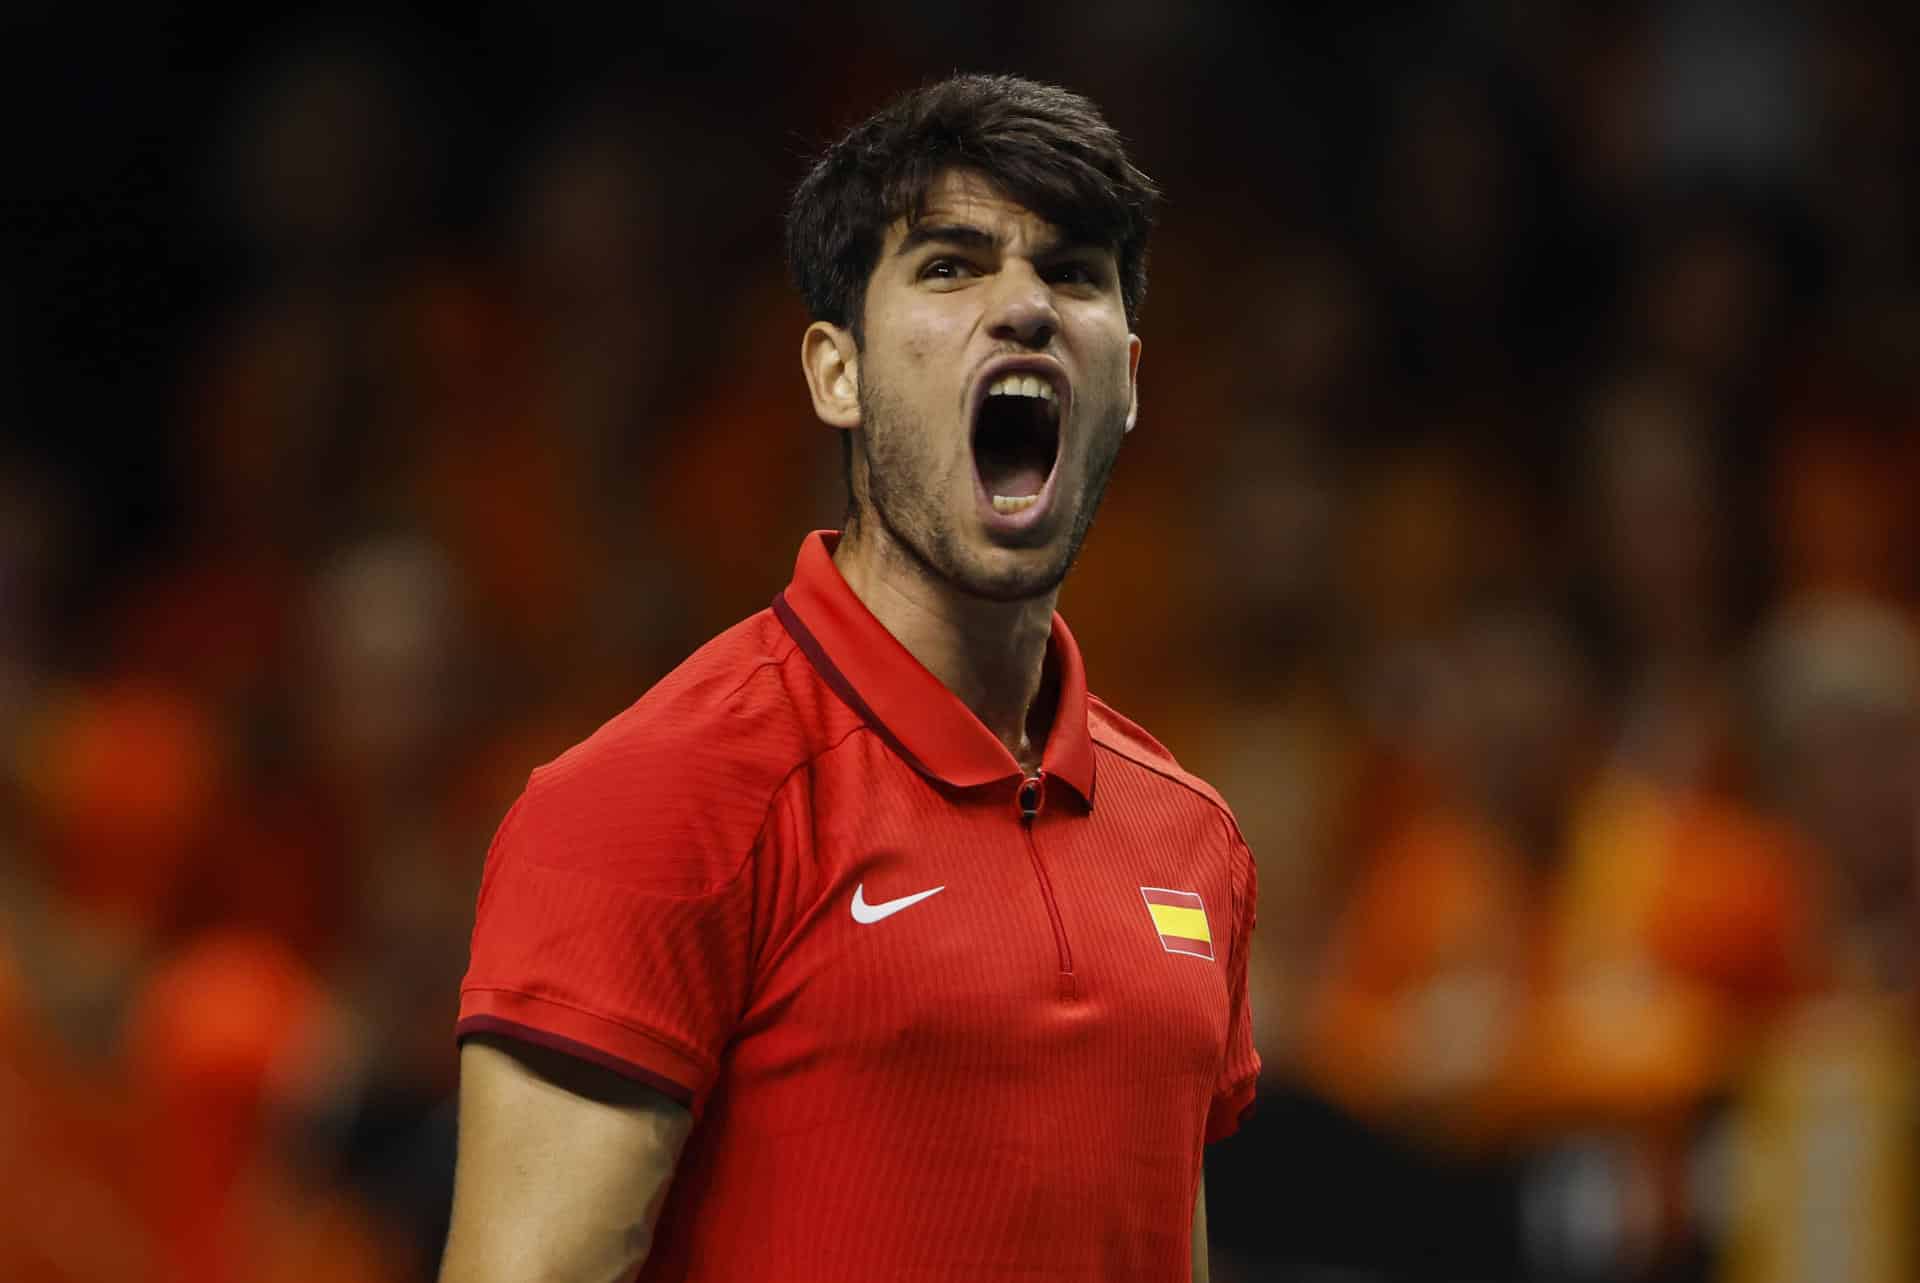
1013	477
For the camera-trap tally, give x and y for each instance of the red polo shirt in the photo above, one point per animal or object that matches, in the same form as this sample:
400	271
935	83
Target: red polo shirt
934	1020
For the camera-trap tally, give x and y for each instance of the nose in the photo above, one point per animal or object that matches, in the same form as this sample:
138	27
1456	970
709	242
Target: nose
1023	310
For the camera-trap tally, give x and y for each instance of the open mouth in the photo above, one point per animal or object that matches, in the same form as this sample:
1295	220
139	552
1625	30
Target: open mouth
1016	439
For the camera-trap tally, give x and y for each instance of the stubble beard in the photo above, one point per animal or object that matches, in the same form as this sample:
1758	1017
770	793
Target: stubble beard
900	497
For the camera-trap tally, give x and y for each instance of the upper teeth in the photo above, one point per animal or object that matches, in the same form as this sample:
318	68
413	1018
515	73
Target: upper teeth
1021	385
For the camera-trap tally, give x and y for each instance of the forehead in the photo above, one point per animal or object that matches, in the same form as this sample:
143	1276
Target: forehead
966	198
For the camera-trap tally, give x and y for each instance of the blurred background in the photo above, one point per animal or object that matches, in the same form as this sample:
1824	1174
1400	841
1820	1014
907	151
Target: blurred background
1520	532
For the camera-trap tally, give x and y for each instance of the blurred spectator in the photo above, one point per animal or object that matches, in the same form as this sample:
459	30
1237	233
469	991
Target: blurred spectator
1274	731
65	1126
1731	96
225	1038
1452	214
577	563
383	726
297	429
1843	483
124	780
1661	533
350	758
1838	688
1820	1169
1560	951
1705	306
1861	175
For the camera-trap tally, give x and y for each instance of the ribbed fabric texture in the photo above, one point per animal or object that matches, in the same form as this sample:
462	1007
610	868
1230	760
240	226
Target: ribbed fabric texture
925	1096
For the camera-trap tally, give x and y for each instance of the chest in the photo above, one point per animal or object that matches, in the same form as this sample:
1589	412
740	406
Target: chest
963	935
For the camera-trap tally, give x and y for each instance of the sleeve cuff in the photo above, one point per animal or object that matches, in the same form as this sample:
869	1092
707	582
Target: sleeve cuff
629	1052
1230	1110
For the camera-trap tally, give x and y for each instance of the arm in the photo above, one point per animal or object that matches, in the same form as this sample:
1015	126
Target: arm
1200	1272
561	1171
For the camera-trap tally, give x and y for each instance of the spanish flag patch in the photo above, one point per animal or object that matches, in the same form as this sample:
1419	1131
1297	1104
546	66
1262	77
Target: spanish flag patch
1181	920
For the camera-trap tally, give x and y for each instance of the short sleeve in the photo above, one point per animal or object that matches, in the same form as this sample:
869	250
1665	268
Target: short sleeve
614	929
1233	1093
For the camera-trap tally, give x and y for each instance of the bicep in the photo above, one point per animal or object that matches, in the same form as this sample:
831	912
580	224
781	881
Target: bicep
1200	1269
561	1171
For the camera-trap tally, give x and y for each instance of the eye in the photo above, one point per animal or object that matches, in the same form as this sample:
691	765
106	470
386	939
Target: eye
1074	273
946	269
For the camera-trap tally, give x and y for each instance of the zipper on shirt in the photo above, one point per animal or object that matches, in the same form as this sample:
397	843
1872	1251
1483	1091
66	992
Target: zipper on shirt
1030	798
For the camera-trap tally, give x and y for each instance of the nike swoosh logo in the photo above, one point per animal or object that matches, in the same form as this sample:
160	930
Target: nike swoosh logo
868	914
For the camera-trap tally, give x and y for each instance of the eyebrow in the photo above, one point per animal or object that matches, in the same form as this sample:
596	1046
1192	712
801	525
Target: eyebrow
963	234
968	236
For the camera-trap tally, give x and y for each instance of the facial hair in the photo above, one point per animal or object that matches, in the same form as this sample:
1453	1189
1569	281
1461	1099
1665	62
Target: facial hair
903	495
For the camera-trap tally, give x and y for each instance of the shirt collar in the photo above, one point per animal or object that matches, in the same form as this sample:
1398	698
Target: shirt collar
907	706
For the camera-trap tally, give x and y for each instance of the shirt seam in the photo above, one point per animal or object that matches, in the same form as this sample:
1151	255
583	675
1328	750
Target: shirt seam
760	835
805	763
773	797
1235	839
1173	775
780	787
769	661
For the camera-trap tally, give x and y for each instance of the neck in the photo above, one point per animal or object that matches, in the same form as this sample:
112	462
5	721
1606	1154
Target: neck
990	654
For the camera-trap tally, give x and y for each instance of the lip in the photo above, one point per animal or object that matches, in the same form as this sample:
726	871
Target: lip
1055	375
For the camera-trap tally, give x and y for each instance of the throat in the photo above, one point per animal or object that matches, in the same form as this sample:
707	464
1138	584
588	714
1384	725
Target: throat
1041	713
992	655
1013	691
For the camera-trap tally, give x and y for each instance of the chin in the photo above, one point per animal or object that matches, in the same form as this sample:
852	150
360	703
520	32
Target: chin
1013	575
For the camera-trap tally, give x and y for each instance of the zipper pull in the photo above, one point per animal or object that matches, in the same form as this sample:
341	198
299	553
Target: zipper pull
1032	795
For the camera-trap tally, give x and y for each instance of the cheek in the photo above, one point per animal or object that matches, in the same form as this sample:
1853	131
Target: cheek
1107	345
1111	372
919	330
919	337
909	360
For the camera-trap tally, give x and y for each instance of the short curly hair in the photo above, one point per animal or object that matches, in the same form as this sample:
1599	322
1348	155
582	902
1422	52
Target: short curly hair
1044	147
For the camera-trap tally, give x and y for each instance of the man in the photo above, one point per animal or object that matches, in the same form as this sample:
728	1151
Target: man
868	945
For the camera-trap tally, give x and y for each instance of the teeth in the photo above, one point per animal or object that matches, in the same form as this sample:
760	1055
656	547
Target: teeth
1021	385
1014	503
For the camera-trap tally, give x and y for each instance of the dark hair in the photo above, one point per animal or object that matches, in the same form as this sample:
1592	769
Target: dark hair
1044	147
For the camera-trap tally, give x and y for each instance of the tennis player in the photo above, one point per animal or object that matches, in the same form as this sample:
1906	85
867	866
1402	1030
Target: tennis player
869	946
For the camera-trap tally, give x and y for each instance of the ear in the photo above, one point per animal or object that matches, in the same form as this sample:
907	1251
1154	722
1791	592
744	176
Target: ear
1133	379
831	361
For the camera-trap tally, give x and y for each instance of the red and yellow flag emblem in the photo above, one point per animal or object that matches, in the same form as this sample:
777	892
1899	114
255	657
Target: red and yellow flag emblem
1181	920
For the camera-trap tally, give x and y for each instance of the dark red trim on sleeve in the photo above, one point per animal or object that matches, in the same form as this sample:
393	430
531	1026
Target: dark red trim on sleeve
676	1092
1229	1111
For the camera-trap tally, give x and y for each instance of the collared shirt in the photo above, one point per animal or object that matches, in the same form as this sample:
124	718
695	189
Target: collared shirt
935	1018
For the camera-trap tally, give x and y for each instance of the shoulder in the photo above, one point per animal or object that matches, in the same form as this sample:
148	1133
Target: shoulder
1140	765
1148	765
684	776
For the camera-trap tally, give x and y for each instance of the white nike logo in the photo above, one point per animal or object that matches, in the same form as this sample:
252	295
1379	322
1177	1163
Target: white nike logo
867	914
